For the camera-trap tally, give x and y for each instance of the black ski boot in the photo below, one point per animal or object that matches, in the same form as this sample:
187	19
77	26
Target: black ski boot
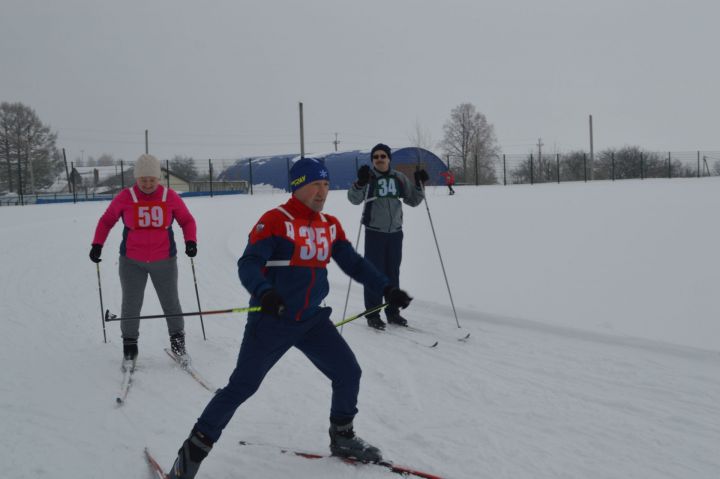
177	346
344	443
130	349
192	452
374	321
395	318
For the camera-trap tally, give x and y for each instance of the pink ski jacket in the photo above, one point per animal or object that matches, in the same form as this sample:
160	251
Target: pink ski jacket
148	234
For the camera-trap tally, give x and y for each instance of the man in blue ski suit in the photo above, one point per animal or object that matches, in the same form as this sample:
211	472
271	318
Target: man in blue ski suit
284	269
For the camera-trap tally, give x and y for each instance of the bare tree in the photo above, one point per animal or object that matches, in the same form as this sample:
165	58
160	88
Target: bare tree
420	137
470	143
29	156
184	166
105	160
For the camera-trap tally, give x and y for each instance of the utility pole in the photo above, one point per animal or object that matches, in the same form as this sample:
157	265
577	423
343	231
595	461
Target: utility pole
592	153
146	142
540	144
336	142
302	132
541	168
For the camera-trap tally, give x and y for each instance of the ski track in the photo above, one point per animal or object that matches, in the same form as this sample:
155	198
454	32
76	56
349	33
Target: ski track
520	399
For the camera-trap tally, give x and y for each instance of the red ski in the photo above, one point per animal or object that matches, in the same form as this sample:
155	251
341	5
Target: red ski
402	470
156	469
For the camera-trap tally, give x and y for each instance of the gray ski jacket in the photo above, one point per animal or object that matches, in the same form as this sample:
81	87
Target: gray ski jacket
383	210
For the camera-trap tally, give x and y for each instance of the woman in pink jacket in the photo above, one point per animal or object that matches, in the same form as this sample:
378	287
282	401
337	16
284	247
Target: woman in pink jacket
148	210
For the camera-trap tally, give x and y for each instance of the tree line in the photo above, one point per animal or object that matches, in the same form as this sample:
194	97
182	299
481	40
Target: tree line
30	160
470	147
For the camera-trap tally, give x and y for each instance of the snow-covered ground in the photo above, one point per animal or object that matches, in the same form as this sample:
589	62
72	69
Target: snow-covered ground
594	349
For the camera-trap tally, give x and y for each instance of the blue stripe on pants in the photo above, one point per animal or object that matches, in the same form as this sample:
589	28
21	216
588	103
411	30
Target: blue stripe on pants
265	341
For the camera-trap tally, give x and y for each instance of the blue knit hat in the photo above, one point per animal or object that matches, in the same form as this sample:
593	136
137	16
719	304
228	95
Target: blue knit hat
307	170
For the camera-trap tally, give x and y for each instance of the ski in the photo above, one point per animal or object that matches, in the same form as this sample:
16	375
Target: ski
128	369
389	331
188	368
389	465
154	466
463	338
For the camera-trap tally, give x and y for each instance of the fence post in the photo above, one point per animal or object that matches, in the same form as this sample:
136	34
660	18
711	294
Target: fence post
669	165
67	175
476	170
167	171
72	177
122	174
585	166
531	170
251	178
612	157
210	171
287	165
504	171
698	171
20	185
557	163
642	167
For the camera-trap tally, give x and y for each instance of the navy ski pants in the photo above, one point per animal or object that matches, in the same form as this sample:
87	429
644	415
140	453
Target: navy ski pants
265	341
384	251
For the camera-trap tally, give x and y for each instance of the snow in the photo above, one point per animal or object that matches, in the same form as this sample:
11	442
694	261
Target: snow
594	347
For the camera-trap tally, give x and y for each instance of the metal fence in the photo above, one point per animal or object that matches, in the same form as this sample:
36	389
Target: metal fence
627	163
196	178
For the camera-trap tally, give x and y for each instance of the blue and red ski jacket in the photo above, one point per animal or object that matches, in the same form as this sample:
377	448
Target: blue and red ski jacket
289	249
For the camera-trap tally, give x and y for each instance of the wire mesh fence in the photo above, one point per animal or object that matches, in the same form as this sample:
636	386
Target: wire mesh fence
213	177
628	163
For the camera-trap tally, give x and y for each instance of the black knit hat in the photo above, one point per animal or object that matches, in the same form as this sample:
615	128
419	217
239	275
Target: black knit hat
381	147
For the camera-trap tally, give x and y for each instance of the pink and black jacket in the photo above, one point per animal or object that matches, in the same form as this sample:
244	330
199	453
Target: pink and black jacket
148	234
289	249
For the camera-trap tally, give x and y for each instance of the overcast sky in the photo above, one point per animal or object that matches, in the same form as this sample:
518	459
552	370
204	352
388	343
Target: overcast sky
222	79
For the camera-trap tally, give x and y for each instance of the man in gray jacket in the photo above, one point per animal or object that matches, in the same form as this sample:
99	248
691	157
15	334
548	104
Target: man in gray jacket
380	188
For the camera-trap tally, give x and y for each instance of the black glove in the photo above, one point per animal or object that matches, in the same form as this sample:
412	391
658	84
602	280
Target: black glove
421	176
272	303
397	297
363	175
95	253
191	248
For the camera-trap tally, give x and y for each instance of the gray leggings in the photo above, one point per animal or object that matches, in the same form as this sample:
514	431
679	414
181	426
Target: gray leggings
133	278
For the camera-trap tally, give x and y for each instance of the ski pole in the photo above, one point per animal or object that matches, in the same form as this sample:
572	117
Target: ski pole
437	245
197	295
357	243
102	308
367	311
112	317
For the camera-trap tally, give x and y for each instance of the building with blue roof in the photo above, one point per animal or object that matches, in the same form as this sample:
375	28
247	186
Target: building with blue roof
273	170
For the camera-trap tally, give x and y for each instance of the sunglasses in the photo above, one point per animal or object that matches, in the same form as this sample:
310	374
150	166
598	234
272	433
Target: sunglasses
379	157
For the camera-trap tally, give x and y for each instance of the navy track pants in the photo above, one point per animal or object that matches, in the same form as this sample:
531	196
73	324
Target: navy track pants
265	341
384	251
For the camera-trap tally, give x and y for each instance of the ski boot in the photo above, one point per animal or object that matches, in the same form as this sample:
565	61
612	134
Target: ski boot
177	346
130	349
395	318
374	321
344	443
192	452
130	353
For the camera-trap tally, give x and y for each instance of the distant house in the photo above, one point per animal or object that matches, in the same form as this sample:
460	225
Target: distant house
115	183
220	186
